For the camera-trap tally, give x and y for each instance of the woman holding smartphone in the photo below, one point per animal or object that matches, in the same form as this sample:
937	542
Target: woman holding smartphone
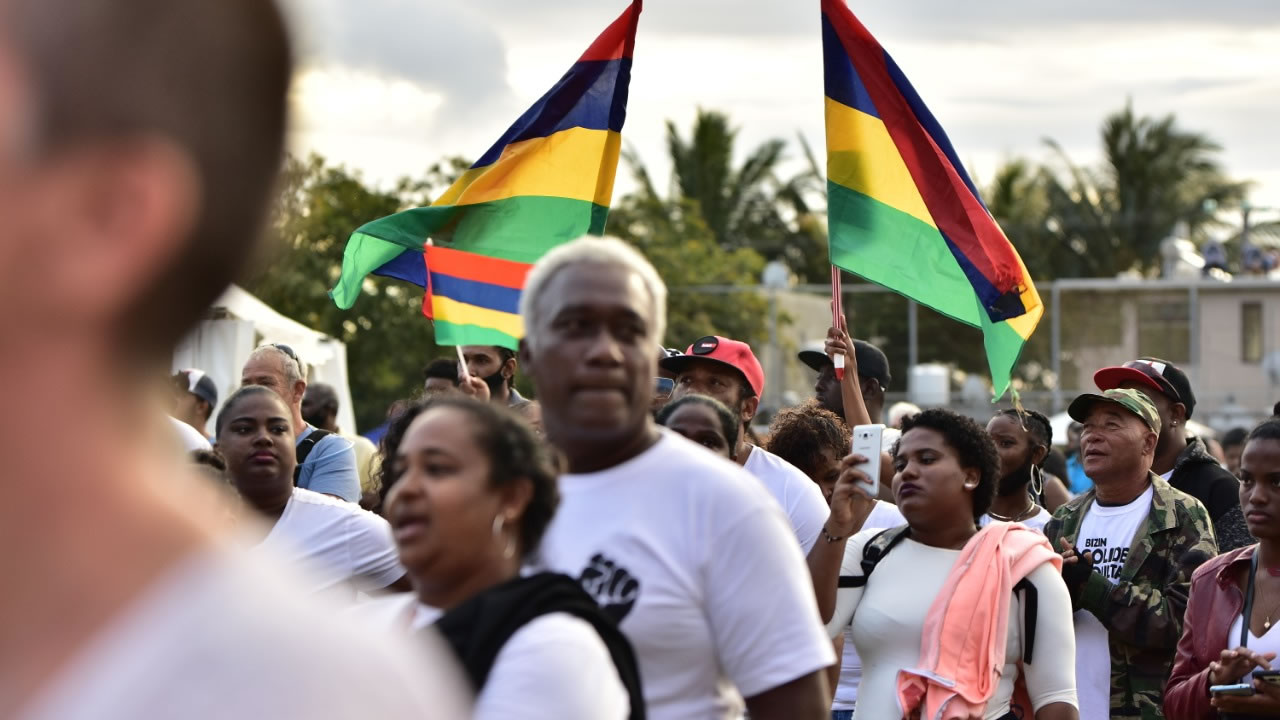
945	473
1217	649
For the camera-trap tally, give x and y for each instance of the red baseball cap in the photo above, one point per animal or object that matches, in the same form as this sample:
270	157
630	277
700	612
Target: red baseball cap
713	348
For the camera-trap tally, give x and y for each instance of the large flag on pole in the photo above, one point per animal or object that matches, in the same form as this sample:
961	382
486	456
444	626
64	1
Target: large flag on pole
902	211
547	180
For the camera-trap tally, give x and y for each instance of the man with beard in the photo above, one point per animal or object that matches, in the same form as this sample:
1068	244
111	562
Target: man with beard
1023	440
497	367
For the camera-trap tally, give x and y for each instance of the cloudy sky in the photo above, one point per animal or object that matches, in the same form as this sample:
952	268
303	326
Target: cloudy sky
390	86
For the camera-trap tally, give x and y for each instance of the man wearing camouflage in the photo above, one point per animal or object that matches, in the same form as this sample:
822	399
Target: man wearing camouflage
1129	547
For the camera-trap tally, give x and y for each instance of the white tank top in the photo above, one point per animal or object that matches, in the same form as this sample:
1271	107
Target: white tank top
1269	642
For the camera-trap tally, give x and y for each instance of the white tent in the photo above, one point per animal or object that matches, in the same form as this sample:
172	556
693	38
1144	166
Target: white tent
237	323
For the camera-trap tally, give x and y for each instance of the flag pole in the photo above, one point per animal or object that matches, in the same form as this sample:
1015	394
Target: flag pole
837	312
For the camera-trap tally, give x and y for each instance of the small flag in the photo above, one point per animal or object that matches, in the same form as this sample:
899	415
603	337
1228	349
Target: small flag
547	180
902	211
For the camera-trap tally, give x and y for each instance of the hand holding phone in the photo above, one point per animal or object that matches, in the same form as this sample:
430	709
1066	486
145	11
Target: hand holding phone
866	442
851	505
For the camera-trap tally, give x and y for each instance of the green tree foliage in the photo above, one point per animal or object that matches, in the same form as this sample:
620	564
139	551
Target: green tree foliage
388	340
683	249
747	206
1069	220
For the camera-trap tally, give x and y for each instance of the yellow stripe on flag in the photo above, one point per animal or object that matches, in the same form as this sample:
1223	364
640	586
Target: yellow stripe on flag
460	313
862	157
551	166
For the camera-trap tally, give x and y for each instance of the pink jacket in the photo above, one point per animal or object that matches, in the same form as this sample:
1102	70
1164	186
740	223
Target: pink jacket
962	648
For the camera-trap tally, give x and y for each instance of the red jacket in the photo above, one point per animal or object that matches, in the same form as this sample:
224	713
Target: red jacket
1215	603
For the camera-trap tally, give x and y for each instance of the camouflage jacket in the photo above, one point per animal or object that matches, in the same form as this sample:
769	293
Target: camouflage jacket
1143	610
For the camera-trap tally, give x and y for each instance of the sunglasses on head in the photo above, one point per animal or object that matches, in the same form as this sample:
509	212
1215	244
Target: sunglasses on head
288	351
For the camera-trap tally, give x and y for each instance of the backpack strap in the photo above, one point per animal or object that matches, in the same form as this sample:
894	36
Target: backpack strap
305	447
873	552
1030	608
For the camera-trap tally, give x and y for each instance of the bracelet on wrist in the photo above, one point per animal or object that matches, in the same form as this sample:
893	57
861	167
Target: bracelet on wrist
826	535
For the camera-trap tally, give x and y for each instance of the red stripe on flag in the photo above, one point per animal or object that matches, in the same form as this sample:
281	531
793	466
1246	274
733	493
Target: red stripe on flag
470	266
957	213
618	40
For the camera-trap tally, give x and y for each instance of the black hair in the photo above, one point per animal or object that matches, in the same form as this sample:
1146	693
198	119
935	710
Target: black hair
1034	424
514	451
728	421
799	435
505	354
443	368
224	415
972	444
1055	463
1266	430
1235	436
210	458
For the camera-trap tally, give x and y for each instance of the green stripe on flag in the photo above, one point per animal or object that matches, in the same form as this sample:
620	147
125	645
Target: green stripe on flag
521	228
904	254
891	248
448	333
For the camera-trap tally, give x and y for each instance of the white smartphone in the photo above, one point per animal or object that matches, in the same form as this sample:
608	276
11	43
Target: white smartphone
1239	689
866	442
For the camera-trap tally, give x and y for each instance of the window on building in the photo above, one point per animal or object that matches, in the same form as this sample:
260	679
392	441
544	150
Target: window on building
1164	329
1251	332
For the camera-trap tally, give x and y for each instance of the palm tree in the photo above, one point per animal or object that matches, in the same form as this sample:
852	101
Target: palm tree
746	206
1154	175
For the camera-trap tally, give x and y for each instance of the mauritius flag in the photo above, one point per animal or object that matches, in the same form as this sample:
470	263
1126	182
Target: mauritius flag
547	180
902	211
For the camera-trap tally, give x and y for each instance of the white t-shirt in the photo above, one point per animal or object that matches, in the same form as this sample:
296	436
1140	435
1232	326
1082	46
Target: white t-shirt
1037	522
189	437
887	617
554	668
1107	532
341	546
699	566
883	515
225	635
801	498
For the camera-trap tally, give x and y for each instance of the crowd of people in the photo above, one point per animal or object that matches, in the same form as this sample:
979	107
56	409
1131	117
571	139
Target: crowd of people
622	545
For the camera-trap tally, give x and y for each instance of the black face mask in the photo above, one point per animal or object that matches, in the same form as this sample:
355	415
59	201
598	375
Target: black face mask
495	382
1015	481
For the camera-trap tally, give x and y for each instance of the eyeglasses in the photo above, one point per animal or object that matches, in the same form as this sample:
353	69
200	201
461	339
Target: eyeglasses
663	386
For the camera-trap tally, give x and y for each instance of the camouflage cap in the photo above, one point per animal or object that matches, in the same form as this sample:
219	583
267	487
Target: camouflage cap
1135	401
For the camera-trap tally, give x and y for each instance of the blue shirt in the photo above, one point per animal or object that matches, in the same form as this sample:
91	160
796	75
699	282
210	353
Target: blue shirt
330	468
1077	481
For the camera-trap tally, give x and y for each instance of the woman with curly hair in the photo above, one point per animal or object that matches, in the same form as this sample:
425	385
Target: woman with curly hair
940	619
471	492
